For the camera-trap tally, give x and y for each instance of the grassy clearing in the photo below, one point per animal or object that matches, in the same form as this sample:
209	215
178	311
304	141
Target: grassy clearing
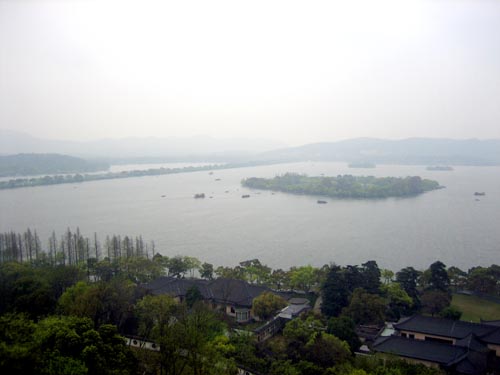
475	308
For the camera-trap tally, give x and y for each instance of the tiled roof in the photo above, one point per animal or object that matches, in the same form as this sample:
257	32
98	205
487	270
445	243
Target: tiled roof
491	322
232	291
466	366
444	327
235	291
294	310
176	287
419	349
298	301
492	338
471	342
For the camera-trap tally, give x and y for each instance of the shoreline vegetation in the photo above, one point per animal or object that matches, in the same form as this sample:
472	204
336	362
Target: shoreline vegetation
81	306
346	186
78	177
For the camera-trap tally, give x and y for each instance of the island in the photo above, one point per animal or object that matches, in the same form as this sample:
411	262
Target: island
439	168
346	186
361	164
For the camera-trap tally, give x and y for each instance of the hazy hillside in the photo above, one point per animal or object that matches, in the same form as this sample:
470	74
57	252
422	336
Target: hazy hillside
427	151
406	151
35	164
197	148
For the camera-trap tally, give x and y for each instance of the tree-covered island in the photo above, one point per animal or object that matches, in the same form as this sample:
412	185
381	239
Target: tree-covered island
346	186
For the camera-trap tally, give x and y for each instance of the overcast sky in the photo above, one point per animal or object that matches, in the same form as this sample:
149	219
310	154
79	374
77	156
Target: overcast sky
295	71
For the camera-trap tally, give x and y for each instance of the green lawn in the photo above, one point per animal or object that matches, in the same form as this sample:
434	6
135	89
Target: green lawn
475	308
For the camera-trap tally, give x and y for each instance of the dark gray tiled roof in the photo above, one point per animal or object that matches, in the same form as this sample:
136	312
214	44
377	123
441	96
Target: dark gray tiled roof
444	327
298	301
176	287
232	291
465	366
419	349
492	338
235	291
471	342
491	322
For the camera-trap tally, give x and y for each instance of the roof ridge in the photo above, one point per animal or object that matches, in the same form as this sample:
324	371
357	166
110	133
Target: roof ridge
458	358
406	319
453	326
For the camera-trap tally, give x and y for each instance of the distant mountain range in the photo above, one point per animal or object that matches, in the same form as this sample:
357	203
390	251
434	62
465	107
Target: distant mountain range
424	151
146	149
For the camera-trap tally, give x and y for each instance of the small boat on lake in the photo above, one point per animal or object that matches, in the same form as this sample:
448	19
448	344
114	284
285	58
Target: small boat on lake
245	196
322	202
479	194
200	195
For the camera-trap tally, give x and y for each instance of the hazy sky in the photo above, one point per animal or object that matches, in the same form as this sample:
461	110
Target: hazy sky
296	71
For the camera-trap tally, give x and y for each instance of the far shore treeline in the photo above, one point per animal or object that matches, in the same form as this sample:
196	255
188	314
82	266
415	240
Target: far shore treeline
78	177
345	186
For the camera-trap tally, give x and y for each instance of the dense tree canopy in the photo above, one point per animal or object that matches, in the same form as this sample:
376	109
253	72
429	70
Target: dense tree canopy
346	186
62	345
343	327
97	297
365	308
335	292
267	304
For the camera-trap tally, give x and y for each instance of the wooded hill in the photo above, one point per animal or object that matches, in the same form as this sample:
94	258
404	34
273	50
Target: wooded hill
35	164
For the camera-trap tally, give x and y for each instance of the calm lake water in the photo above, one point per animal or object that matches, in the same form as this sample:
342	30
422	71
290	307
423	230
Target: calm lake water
281	230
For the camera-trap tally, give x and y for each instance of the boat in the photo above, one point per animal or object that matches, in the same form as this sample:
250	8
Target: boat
322	202
245	196
479	194
200	195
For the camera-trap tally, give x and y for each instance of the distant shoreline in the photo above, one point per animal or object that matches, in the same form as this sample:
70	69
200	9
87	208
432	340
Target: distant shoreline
79	178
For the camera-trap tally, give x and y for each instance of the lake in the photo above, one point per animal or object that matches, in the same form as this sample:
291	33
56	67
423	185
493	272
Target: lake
281	230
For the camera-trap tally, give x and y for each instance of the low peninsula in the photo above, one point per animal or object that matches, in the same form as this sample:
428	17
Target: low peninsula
346	186
80	178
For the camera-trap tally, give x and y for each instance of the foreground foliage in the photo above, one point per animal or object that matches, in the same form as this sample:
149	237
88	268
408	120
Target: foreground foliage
62	345
58	317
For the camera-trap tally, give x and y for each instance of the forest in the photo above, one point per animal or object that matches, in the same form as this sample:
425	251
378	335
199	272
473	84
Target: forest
346	186
66	307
